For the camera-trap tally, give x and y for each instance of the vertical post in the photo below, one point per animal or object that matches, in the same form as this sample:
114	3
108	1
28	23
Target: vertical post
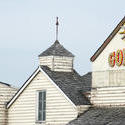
57	24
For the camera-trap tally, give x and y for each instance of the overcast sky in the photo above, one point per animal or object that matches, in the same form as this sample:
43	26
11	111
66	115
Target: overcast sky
27	27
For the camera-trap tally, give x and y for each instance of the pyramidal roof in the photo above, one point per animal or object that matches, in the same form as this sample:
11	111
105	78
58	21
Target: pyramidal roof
56	50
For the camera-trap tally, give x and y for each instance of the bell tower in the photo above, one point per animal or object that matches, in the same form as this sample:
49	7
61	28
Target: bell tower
56	57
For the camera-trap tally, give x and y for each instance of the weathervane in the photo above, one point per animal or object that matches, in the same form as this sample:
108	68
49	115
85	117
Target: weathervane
57	24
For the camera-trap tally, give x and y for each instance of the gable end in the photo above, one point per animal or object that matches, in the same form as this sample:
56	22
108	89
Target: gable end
28	82
107	41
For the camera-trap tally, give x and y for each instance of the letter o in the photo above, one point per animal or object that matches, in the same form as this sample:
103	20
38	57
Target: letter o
119	57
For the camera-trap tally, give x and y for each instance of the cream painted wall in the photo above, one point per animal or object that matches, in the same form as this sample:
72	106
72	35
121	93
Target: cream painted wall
108	82
103	75
59	110
101	62
108	96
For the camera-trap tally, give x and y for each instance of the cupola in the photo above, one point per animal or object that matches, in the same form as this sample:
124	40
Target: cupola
56	57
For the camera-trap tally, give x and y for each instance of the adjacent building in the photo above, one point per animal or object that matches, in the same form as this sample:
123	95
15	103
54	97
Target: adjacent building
108	82
6	93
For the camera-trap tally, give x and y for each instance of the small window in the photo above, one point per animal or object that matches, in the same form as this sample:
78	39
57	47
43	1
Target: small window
41	106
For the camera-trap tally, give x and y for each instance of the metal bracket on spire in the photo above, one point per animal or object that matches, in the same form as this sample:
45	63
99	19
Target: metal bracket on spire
57	24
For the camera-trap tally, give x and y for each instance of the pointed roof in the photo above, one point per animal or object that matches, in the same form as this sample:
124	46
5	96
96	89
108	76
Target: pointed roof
56	50
107	41
69	83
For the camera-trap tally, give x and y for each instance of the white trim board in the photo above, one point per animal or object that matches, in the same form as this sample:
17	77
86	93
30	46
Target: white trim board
21	90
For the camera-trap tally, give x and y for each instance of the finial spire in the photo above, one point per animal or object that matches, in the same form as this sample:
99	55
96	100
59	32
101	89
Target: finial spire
57	24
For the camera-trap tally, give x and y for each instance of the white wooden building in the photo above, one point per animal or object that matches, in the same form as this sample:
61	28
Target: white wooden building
108	82
55	94
108	76
52	94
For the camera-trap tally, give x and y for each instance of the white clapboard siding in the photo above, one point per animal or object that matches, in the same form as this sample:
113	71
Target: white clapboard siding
108	78
6	93
108	96
63	64
57	63
59	110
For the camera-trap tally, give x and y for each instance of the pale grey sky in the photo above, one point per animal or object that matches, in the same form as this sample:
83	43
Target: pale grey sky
27	27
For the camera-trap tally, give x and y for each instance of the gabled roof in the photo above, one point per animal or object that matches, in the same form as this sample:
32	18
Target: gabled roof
70	83
56	50
101	116
5	83
107	41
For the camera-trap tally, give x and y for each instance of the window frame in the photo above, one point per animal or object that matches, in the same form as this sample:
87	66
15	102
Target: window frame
37	107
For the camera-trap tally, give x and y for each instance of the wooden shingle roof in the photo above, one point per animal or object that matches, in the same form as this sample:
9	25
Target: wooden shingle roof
101	116
71	83
87	80
56	50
